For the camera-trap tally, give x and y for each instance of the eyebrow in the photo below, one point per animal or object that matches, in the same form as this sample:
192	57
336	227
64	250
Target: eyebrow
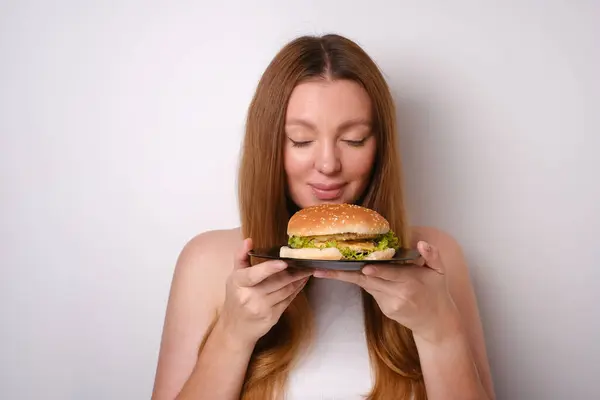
345	125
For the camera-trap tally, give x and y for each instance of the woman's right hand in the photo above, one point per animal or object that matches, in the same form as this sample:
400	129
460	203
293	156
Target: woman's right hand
256	296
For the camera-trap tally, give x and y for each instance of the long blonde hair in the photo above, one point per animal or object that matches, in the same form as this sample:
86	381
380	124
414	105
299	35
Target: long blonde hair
265	209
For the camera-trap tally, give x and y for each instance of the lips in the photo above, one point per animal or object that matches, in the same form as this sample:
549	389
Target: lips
327	191
327	186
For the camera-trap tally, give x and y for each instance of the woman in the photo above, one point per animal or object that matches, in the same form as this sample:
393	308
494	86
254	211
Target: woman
321	128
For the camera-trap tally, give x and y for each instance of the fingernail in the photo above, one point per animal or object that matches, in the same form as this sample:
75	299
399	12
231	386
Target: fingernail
368	270
320	274
426	246
281	265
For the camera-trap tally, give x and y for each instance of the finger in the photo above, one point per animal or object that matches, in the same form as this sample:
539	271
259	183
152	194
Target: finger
418	262
351	277
285	292
242	259
254	275
432	257
386	272
282	305
282	279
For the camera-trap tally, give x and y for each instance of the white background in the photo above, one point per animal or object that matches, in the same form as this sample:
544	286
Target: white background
120	129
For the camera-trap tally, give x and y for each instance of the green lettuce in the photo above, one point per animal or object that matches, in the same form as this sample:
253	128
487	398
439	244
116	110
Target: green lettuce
387	240
351	254
382	242
300	242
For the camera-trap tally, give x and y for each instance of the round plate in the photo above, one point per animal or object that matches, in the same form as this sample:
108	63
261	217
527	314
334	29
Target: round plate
402	256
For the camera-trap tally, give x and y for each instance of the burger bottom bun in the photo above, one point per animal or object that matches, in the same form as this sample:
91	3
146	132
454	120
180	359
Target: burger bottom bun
330	253
381	254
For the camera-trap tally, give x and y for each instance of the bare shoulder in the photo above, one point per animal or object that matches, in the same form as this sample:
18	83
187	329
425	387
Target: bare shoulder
462	292
206	261
210	252
206	241
197	292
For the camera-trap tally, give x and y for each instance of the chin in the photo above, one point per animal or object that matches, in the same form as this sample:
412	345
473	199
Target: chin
318	202
334	201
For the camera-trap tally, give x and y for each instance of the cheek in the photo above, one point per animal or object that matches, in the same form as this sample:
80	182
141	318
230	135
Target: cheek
358	164
297	164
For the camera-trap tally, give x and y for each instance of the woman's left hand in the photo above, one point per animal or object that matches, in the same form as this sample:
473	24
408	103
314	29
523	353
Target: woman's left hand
415	296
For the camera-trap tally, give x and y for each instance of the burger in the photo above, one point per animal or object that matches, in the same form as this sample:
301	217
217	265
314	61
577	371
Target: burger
339	232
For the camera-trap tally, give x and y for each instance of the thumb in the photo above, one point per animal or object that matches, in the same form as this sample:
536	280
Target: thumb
242	259
432	257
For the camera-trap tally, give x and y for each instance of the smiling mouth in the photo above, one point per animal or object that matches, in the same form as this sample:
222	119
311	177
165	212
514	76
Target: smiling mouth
327	192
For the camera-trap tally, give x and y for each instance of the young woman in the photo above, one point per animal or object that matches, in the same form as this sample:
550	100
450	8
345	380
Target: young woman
321	128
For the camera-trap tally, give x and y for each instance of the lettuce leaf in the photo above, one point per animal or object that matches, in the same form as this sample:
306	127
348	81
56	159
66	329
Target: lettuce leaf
382	242
299	242
350	254
388	240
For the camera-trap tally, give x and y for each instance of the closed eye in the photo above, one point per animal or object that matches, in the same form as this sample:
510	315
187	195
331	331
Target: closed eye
302	143
356	143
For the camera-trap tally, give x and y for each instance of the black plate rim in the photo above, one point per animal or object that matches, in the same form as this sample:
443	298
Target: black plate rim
270	254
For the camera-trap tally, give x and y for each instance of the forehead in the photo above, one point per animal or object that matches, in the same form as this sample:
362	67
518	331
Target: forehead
339	100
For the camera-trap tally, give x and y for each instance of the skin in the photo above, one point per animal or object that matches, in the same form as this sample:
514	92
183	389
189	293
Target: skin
330	141
328	156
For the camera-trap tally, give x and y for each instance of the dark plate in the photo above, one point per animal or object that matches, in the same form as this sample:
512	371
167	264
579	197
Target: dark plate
402	256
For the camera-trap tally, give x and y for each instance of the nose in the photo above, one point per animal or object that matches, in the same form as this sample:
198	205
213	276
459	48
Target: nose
327	160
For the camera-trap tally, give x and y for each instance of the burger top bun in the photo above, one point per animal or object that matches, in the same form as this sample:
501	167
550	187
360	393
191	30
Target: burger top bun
335	219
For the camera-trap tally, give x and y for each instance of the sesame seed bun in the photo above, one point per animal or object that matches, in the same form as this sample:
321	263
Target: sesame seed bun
337	219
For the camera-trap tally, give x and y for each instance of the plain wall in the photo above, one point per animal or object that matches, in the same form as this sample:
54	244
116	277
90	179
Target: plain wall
120	130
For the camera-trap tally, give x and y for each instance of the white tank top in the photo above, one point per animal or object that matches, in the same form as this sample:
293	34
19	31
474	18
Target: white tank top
336	367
